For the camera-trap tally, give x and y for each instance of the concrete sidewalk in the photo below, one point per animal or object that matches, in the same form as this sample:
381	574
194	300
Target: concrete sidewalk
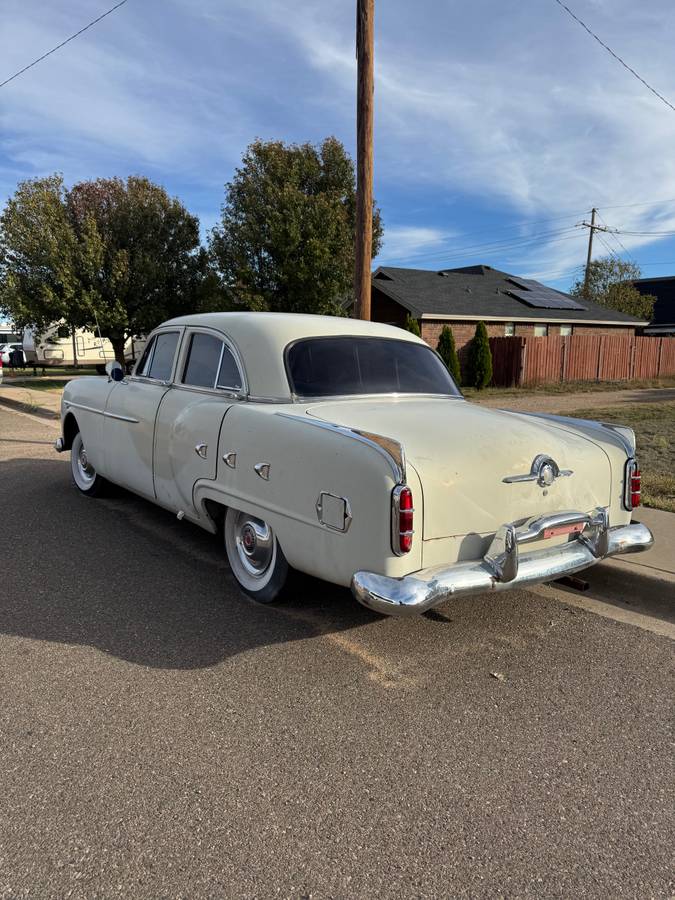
659	562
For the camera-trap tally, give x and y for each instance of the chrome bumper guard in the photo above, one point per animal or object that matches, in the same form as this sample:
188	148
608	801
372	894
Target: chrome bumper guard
503	566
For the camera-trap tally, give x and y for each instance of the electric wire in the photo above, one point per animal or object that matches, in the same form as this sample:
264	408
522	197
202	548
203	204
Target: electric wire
615	55
62	44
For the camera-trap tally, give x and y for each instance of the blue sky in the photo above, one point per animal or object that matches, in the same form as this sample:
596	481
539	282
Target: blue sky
498	124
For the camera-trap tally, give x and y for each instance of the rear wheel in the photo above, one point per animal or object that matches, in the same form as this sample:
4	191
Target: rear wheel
84	474
256	559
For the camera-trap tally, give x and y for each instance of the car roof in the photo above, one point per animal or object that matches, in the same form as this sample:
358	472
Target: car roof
262	337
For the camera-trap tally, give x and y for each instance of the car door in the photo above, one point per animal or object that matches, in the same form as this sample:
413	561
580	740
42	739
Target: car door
131	411
208	382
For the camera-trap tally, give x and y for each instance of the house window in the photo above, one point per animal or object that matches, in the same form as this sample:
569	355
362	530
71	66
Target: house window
541	330
565	330
509	329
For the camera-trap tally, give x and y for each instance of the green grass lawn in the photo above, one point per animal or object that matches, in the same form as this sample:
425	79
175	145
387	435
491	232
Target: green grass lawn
654	426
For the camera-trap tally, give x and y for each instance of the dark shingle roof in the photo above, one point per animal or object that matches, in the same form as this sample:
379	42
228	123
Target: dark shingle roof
477	291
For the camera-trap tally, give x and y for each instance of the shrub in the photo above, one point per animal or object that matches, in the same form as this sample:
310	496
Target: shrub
480	359
448	353
413	326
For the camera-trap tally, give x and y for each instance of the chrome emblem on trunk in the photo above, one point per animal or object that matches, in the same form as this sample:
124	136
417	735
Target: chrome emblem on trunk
544	471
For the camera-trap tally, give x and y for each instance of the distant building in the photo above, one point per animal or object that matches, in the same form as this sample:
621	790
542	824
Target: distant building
663	321
507	304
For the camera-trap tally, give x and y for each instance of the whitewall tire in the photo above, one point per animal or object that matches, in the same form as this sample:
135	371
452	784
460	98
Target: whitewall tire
256	559
85	476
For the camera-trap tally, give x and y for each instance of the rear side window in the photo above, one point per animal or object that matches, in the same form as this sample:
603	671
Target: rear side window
203	359
157	359
210	364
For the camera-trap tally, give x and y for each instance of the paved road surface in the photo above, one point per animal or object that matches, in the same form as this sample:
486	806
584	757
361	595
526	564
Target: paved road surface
161	736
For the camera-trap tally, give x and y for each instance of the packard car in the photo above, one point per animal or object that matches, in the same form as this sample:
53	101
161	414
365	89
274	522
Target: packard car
343	449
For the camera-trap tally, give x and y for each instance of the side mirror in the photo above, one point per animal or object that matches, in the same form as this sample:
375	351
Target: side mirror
114	371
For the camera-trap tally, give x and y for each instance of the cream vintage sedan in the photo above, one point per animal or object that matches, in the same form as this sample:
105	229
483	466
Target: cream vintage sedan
344	449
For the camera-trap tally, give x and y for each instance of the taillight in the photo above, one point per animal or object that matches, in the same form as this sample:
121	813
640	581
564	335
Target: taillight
402	511
632	486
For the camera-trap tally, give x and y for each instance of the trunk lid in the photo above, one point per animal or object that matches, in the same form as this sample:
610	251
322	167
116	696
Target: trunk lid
462	452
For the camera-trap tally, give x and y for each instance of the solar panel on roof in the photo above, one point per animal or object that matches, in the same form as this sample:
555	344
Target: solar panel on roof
546	298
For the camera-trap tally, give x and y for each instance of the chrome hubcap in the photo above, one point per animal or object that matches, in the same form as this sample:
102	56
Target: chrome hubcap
255	544
85	468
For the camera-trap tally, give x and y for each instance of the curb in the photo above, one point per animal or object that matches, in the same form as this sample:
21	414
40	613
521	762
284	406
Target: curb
28	408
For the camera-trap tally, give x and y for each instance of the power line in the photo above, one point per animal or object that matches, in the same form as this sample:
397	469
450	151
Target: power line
643	203
610	232
62	44
615	55
504	244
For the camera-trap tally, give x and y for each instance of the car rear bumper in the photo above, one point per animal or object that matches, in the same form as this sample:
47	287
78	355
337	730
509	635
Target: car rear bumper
504	566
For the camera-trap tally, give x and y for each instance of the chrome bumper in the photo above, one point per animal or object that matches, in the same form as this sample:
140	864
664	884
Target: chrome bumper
503	566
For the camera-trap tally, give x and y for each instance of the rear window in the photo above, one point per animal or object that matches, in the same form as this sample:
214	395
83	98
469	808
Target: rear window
324	367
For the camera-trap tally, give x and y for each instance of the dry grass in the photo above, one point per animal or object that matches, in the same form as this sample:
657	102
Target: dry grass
570	387
654	426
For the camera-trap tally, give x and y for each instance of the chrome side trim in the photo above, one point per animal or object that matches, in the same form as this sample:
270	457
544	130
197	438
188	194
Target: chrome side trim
230	459
262	470
591	425
109	415
389	448
70	404
427	588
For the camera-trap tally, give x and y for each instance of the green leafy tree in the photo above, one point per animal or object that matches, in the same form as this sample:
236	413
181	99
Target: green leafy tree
610	284
448	353
38	256
480	359
141	260
286	237
117	255
412	325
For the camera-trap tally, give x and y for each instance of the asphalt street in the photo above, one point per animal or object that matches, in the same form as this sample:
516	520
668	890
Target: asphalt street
163	736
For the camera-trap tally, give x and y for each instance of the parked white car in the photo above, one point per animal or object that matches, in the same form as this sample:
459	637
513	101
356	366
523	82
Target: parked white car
343	449
6	349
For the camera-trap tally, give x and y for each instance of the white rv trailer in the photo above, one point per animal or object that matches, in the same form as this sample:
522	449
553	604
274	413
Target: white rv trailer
56	348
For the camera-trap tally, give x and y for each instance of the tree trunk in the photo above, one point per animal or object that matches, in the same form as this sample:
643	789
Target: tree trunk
118	347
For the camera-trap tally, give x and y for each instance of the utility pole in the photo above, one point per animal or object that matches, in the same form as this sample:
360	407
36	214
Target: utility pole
365	31
591	230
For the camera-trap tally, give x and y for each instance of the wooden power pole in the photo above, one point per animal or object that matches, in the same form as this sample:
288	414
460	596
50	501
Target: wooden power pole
365	31
591	231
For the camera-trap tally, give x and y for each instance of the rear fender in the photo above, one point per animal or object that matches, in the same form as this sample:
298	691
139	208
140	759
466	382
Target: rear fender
306	461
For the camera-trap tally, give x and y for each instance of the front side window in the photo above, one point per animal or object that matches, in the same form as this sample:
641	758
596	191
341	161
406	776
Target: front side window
157	359
509	329
565	330
540	330
324	367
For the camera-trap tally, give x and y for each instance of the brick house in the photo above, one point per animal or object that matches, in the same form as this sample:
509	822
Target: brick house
507	304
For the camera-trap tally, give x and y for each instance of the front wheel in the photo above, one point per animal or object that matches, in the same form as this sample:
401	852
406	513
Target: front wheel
84	474
256	559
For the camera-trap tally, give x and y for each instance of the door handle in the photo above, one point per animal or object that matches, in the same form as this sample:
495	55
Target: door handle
202	450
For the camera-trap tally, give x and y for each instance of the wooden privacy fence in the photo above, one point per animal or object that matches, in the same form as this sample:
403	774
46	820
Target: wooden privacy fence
580	357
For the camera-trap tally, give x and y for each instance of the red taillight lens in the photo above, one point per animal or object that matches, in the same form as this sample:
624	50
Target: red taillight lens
402	520
635	488
632	485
